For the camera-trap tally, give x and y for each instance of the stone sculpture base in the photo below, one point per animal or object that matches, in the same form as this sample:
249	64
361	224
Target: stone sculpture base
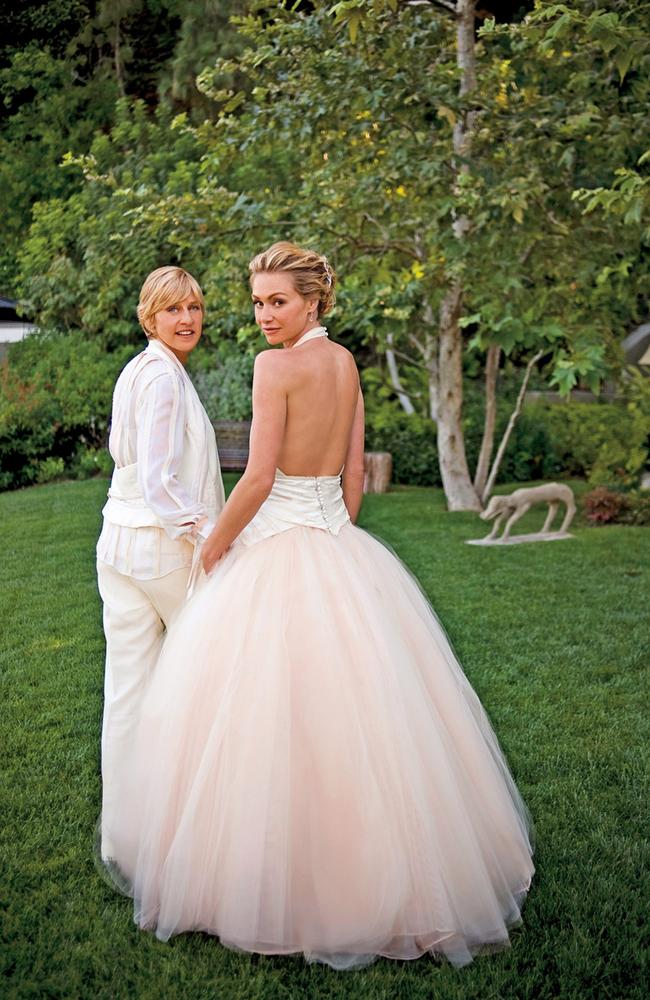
538	536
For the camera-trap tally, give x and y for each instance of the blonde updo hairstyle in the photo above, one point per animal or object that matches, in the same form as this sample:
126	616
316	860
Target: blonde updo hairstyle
165	287
312	275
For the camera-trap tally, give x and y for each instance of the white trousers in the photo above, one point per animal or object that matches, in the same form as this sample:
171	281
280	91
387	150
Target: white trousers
136	613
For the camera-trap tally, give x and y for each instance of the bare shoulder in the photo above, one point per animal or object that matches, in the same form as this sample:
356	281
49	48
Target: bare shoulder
341	350
270	369
345	357
268	361
278	363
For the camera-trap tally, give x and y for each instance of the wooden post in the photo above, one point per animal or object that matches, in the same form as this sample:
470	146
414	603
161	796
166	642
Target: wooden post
377	470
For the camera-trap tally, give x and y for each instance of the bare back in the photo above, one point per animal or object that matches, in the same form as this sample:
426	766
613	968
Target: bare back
307	421
322	385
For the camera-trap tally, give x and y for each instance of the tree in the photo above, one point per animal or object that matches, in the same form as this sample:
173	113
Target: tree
52	102
385	170
204	33
64	64
351	141
602	34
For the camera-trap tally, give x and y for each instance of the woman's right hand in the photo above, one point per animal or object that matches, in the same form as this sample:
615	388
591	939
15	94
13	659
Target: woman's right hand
211	552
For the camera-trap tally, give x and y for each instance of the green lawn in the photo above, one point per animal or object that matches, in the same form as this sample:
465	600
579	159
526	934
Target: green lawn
553	637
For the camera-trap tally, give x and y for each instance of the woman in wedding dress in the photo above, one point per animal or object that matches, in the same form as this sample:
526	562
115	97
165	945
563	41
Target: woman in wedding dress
314	773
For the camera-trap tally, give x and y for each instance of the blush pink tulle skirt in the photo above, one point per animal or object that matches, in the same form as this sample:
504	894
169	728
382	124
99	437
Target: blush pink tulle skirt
314	773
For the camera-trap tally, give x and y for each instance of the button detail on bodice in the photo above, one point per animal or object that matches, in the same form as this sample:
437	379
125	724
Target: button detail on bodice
299	501
323	507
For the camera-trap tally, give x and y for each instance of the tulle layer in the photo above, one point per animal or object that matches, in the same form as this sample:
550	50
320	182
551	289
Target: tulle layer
314	772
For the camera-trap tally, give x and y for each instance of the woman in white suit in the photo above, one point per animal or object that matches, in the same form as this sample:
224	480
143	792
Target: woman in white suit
165	495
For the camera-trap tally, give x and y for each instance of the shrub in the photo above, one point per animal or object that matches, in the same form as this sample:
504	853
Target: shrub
606	443
225	386
89	462
637	510
604	506
622	459
412	442
55	399
530	453
28	428
49	469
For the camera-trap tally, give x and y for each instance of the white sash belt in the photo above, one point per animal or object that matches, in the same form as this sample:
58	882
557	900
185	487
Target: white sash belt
125	505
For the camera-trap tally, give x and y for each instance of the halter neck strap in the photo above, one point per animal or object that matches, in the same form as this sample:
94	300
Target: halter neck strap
317	331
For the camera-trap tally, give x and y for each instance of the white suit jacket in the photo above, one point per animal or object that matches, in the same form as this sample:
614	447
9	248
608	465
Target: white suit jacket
167	475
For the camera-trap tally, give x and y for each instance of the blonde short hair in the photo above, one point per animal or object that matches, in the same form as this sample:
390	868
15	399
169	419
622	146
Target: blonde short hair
162	288
312	274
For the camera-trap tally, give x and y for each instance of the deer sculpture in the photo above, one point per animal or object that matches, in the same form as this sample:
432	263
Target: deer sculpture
516	504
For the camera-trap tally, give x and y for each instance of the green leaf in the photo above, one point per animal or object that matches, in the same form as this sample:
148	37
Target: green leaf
622	61
469	320
561	26
634	212
564	379
444	112
353	25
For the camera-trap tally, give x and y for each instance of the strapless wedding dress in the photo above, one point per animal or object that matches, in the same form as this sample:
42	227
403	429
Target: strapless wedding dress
314	772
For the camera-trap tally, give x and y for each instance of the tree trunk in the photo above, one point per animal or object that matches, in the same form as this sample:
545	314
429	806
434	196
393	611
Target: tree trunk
463	128
404	398
117	54
456	482
377	470
430	355
487	444
434	387
508	431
